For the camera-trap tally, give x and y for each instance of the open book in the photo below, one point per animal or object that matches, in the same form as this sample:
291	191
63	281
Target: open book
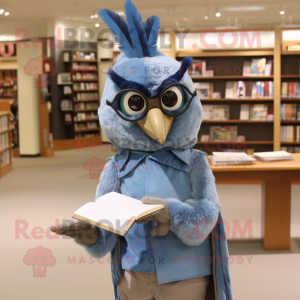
115	212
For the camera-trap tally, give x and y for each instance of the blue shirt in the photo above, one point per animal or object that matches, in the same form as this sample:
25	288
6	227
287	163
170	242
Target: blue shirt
163	174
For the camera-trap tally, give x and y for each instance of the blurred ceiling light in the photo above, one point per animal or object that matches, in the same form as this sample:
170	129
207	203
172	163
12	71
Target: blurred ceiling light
97	25
92	16
121	13
1	11
95	16
206	17
218	14
185	19
245	8
282	12
6	13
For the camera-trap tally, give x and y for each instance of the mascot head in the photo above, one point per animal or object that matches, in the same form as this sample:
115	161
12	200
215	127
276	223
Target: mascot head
149	101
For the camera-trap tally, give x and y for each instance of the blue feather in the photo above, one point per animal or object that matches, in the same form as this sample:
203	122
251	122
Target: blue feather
176	77
152	25
120	31
123	84
136	29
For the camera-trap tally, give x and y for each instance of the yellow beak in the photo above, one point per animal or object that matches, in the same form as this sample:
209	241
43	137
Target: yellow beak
156	125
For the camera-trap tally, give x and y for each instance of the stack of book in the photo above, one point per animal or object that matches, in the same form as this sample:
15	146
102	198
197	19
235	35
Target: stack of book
290	112
290	89
3	123
216	112
249	89
258	67
91	105
205	89
257	112
85	86
231	158
85	116
86	96
273	156
66	105
290	134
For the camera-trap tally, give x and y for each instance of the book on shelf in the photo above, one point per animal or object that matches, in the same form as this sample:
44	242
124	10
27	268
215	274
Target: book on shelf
290	149
205	89
198	67
290	89
5	157
85	116
245	111
254	70
63	78
85	86
261	66
4	140
247	68
268	68
89	105
258	112
216	112
249	89
273	156
67	90
216	95
231	158
223	133
290	134
3	123
66	104
68	118
293	48
288	111
114	208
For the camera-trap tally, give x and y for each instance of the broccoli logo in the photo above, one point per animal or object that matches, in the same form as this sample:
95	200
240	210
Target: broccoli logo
39	258
36	67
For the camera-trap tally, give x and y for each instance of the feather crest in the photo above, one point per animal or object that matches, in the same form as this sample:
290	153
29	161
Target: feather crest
136	28
152	25
120	31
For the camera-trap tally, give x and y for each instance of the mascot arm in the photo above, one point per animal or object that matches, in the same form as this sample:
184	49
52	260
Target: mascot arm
109	182
193	220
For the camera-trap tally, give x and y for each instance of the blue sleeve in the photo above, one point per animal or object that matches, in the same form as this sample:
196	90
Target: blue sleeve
109	182
193	220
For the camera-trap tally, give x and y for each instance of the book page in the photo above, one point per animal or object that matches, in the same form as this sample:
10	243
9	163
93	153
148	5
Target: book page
114	212
131	206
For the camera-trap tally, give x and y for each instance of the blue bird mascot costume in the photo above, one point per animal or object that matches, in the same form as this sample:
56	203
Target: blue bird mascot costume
151	112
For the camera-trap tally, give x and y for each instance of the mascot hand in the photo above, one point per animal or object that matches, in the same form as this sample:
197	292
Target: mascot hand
84	234
162	216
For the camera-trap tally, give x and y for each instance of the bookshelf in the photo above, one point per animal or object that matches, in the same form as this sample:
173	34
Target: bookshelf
82	120
9	93
260	135
5	139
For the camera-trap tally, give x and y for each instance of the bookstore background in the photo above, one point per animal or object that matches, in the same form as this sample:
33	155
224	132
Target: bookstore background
246	68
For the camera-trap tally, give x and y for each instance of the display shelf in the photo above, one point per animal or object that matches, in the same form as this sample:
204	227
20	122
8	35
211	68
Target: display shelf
290	121
289	99
237	121
230	77
290	76
7	148
86	80
91	90
6	153
84	60
86	120
90	100
236	142
290	53
222	53
88	109
87	129
238	99
290	143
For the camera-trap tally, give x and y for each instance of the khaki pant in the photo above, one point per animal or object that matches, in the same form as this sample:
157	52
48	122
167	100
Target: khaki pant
144	286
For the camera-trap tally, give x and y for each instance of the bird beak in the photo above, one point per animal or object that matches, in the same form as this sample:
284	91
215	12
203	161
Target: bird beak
156	125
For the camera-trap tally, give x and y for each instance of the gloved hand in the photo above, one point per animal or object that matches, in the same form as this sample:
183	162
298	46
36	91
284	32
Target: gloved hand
83	233
162	216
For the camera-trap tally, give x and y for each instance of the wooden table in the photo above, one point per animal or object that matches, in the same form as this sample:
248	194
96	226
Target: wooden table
276	178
